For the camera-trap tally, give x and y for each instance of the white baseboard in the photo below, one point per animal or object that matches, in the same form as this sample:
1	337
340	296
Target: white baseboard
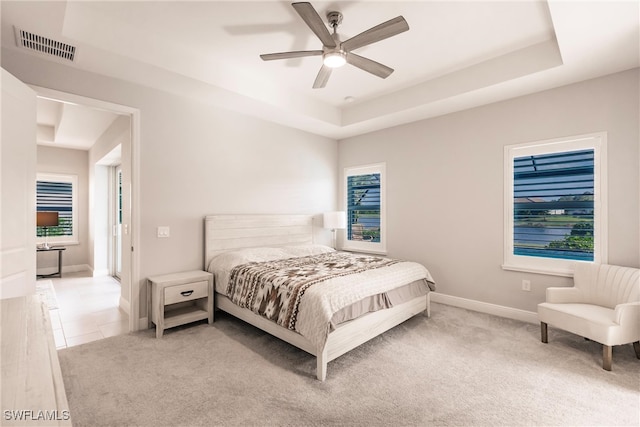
65	269
124	305
75	268
143	324
485	307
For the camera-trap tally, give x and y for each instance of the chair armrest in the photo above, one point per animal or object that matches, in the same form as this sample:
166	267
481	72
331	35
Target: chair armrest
563	295
628	313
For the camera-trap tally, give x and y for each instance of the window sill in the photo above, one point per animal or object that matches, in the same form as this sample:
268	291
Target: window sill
363	251
536	270
59	243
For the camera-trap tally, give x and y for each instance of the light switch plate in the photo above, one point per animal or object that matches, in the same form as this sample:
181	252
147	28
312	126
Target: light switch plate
163	232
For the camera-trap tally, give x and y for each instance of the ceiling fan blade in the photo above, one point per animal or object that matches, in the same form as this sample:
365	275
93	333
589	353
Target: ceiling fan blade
322	77
287	55
369	65
313	20
383	31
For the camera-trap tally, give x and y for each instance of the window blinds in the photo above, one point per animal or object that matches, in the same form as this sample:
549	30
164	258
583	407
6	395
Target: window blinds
56	196
554	205
363	207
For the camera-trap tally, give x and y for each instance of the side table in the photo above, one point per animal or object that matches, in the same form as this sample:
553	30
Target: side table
179	298
59	251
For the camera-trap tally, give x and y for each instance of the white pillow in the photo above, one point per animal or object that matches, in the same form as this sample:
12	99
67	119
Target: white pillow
228	260
307	250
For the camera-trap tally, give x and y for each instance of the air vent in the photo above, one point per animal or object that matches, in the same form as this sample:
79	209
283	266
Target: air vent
45	45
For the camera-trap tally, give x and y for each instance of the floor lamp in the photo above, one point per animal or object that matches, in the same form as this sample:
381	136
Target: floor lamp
334	221
46	220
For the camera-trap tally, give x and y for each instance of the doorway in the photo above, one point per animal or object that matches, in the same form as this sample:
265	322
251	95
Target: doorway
120	248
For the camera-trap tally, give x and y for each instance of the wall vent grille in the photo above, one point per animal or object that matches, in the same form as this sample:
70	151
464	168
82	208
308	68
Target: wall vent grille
45	45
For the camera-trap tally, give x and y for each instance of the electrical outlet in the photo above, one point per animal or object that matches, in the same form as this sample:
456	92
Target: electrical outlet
163	232
526	285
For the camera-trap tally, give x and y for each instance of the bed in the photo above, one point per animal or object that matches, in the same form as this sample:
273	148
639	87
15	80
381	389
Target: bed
325	320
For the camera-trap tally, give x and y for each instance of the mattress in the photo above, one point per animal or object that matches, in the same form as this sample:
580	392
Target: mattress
380	301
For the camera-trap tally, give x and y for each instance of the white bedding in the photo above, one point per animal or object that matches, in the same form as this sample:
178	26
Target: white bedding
321	302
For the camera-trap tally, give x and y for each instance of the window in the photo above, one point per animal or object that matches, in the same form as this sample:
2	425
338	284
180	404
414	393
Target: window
58	193
365	206
555	212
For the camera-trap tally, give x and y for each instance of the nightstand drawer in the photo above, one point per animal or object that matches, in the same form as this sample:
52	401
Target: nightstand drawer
186	292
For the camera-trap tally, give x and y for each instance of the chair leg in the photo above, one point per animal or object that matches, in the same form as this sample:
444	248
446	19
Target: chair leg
606	357
543	333
636	347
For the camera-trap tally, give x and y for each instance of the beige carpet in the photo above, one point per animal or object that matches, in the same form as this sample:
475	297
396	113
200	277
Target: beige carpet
456	368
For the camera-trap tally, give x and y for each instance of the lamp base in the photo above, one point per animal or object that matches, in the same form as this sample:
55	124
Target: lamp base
45	245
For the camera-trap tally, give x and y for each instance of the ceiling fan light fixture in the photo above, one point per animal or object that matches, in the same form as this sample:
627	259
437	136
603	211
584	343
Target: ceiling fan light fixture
334	59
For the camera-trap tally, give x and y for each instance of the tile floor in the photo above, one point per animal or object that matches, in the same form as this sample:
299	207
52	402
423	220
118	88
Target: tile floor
87	309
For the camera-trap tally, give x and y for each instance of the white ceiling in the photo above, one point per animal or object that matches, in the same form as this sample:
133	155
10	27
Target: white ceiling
67	125
456	54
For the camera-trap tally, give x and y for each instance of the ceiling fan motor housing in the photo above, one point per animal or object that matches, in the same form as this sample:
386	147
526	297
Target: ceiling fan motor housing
334	18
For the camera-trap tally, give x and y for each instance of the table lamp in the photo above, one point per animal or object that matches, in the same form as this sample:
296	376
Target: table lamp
46	220
335	221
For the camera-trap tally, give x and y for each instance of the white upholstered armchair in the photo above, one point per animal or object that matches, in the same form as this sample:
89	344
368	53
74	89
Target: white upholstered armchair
603	306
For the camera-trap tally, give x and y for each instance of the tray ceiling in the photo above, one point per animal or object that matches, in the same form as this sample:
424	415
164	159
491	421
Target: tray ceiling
456	55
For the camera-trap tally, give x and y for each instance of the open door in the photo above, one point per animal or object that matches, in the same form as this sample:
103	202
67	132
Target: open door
18	171
117	222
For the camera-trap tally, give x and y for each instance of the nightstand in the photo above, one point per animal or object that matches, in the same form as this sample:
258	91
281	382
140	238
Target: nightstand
179	298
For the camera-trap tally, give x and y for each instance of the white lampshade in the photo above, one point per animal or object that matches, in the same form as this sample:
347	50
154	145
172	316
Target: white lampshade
335	220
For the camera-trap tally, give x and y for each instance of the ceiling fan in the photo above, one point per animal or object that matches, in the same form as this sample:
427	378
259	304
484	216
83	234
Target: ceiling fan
336	53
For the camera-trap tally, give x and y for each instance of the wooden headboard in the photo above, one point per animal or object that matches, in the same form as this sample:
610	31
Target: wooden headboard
228	232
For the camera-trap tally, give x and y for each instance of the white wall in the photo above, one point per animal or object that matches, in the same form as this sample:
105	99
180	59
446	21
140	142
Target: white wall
197	159
18	183
214	161
116	138
68	162
99	230
445	183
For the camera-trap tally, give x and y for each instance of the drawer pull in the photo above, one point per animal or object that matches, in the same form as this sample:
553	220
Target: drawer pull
186	293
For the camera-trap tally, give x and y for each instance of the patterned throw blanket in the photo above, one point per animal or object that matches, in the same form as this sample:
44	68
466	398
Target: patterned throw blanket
274	289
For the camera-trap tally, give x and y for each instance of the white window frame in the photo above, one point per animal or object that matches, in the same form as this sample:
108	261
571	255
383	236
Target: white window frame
559	267
73	179
364	246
